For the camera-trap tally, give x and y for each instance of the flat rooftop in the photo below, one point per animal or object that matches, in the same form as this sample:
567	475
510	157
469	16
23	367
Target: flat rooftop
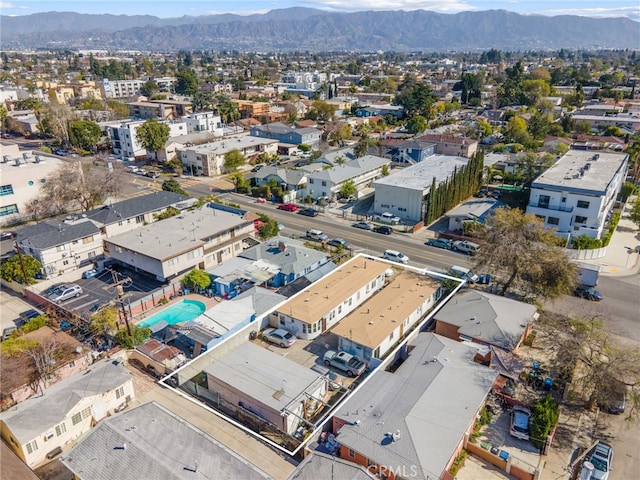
221	147
326	294
420	176
176	235
376	318
261	374
582	170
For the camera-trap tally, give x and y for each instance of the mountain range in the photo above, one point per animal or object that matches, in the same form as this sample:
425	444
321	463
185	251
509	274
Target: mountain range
307	29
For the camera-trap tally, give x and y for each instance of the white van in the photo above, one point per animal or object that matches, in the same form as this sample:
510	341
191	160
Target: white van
396	256
65	292
465	273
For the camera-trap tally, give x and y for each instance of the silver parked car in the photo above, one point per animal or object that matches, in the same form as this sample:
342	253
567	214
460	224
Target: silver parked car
279	336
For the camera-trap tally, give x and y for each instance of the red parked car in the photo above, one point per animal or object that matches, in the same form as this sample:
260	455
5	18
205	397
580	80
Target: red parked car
288	207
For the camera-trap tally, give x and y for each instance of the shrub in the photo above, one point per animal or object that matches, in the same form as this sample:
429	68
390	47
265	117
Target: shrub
585	242
35	323
458	463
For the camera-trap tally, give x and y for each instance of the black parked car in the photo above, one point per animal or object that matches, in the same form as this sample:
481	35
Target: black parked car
383	230
589	293
308	212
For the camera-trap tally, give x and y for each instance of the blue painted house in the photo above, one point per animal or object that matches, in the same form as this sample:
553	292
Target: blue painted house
291	257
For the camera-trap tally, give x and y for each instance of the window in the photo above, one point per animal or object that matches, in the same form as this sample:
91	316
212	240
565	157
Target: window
6	190
77	418
8	210
553	221
119	392
72	364
543	201
352	453
60	429
86	412
564	200
580	219
324	183
311	181
582	204
391	336
140	219
32	446
65	262
88	239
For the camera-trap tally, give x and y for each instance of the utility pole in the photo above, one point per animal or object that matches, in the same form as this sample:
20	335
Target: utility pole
24	271
119	285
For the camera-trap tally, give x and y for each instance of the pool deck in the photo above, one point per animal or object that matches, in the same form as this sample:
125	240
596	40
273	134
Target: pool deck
208	302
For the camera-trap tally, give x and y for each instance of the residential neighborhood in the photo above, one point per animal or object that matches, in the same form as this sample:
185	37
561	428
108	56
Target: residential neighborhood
276	265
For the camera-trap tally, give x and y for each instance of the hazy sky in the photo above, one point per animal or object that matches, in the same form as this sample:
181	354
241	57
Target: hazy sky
178	8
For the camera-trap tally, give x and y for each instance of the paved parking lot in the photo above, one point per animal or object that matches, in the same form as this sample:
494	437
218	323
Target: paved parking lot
309	354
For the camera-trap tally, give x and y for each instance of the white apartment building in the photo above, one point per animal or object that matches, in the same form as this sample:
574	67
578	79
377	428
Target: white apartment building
125	142
204	122
21	176
131	88
208	159
576	194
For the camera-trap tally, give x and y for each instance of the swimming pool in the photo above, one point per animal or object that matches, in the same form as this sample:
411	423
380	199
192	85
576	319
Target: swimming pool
182	311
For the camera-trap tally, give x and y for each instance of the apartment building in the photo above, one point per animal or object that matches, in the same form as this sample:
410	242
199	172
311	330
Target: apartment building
576	194
22	174
208	159
198	238
125	142
131	88
324	303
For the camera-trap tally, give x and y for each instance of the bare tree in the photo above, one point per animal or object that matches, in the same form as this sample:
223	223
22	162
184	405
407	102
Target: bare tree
44	356
82	184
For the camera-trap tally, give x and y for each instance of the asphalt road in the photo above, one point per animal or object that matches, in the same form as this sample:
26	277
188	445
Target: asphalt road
363	241
618	308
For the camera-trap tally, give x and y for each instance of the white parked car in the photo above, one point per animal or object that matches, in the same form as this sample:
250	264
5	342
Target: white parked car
520	418
396	256
387	217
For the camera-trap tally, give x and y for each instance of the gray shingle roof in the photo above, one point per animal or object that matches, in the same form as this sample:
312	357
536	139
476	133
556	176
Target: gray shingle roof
37	414
52	233
430	401
133	207
293	259
491	318
319	466
159	445
350	169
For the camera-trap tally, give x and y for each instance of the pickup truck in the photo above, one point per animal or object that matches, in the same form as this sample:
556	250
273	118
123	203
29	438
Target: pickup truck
387	217
344	361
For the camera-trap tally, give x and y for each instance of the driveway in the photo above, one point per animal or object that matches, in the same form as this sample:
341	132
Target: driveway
497	434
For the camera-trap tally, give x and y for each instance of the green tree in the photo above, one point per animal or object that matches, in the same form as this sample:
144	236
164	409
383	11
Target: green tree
104	321
84	134
138	336
321	111
203	101
269	227
634	214
186	82
168	213
524	255
348	189
118	109
175	164
417	124
627	190
196	279
172	185
153	135
364	145
341	133
233	160
385	170
149	87
416	99
544	415
11	270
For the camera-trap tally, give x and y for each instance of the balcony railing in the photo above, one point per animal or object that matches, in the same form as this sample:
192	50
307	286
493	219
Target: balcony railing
551	207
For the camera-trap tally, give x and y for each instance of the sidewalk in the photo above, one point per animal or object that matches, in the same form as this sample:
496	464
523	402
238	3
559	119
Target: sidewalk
623	252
